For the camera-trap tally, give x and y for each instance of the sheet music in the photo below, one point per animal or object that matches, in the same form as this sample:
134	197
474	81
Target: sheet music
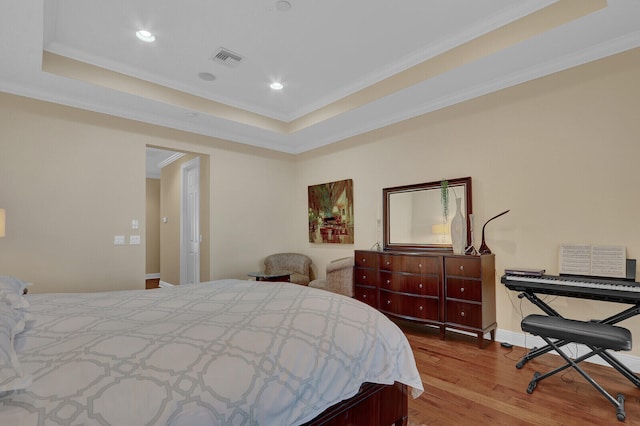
598	261
575	259
609	261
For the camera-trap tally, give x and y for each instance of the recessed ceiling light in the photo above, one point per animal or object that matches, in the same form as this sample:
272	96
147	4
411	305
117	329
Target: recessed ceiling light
145	36
283	5
276	85
206	76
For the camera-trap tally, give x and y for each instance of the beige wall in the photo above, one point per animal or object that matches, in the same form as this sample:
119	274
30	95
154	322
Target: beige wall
70	180
152	229
68	190
560	152
170	231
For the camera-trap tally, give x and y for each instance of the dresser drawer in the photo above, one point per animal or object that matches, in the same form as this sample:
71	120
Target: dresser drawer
469	314
425	285
462	267
450	291
410	264
364	276
368	295
425	308
459	288
365	259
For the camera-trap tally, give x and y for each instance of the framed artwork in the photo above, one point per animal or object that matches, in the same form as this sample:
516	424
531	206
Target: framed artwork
331	212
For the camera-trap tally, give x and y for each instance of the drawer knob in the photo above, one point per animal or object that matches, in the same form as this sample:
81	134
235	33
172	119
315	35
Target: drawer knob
462	267
388	302
462	313
420	308
364	296
388	281
420	265
388	262
462	290
420	285
364	260
364	277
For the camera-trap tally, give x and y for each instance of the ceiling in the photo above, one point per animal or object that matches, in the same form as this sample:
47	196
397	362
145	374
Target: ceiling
347	67
157	158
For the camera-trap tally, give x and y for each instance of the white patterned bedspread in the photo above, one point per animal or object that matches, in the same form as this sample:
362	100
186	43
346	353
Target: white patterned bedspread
227	352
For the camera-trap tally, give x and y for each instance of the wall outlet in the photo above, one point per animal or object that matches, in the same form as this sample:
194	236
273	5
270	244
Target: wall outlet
118	240
134	239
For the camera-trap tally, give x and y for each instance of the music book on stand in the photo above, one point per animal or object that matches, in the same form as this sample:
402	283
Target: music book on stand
593	260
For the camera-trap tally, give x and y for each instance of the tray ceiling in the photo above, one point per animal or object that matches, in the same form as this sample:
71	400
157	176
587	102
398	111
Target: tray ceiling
347	67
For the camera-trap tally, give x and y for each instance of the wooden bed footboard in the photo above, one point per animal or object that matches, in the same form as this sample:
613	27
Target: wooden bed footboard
374	405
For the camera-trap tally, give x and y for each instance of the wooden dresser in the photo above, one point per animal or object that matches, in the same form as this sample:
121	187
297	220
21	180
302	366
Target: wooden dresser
444	290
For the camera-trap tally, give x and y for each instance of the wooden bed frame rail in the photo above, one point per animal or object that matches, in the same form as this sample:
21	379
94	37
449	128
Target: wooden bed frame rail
373	405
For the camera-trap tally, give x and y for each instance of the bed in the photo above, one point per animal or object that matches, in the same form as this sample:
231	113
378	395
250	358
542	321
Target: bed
223	352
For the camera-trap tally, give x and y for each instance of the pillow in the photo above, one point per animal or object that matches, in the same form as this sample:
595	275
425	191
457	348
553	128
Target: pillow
11	375
7	282
16	301
12	291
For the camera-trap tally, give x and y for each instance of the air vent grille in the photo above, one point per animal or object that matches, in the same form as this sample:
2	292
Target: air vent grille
226	57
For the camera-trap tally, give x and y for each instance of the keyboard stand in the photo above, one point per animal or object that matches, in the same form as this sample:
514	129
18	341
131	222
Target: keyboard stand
610	359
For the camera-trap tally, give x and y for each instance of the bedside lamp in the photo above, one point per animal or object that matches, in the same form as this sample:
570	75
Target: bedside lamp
3	217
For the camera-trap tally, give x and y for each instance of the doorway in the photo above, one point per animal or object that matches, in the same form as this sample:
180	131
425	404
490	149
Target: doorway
177	214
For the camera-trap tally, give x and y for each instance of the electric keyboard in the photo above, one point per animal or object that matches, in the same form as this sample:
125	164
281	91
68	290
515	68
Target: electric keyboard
612	290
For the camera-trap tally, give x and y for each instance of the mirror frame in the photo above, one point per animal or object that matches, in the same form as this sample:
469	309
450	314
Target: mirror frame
408	246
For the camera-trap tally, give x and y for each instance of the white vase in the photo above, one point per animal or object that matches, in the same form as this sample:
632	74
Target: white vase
458	230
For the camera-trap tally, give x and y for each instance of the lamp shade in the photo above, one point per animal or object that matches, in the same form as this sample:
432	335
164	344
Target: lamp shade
3	217
440	228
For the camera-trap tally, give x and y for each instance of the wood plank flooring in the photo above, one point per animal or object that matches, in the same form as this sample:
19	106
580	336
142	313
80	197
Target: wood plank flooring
465	385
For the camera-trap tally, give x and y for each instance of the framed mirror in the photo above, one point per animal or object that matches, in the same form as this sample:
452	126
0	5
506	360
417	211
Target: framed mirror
415	218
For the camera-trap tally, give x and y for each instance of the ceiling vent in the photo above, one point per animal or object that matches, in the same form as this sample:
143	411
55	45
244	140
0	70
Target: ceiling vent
227	57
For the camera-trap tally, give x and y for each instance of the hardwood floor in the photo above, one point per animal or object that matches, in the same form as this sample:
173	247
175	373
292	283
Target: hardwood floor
465	385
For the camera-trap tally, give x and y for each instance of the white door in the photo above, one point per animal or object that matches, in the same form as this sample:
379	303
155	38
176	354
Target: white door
190	223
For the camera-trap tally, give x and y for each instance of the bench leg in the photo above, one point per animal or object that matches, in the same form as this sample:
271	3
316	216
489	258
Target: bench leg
620	367
618	403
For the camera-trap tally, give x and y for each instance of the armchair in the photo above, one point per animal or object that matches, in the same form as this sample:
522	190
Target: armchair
339	277
298	264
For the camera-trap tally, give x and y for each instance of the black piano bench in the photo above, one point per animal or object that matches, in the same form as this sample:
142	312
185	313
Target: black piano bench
597	336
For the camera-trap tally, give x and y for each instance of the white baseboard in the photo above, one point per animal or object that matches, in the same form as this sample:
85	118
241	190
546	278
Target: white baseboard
164	284
152	276
530	341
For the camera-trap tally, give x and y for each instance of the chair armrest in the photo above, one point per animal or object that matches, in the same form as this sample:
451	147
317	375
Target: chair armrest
346	262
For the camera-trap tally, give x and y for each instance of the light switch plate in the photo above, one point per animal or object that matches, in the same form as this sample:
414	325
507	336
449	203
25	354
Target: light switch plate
134	239
135	224
118	240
